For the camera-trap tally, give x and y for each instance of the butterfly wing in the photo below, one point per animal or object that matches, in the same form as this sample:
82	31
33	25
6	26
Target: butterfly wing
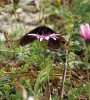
55	44
39	30
59	42
28	39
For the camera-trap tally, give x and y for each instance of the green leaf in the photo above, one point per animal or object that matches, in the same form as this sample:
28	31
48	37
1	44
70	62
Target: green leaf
78	38
42	79
76	47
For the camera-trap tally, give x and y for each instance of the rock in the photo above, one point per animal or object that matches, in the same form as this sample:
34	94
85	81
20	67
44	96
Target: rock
3	17
27	19
21	28
24	17
19	10
6	28
2	37
30	8
4	2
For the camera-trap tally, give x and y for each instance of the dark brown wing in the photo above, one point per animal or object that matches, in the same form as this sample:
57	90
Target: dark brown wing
28	39
59	42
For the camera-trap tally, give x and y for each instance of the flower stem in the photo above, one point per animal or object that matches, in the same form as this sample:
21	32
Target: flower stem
87	69
64	76
15	21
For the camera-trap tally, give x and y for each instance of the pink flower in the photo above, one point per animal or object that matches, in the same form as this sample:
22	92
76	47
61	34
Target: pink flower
85	31
45	37
37	1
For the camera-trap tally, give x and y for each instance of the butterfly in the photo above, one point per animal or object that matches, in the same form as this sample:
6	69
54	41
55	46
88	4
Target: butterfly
54	40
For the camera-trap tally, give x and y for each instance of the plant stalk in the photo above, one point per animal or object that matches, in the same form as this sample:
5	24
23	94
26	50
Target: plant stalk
87	69
64	77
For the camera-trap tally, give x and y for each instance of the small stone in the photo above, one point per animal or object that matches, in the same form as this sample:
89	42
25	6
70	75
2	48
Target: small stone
19	10
24	17
3	17
31	98
2	37
30	8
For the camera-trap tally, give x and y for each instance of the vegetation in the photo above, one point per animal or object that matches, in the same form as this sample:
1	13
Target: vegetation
37	71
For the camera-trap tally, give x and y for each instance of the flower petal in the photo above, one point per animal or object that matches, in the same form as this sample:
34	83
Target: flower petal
47	37
53	35
41	38
82	31
36	35
87	31
37	1
32	34
54	38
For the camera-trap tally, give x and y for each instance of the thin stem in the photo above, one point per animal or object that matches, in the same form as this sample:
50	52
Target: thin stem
59	8
15	20
64	76
86	61
14	8
49	86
